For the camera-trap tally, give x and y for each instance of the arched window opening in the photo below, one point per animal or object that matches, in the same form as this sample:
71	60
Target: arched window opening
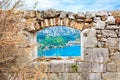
59	41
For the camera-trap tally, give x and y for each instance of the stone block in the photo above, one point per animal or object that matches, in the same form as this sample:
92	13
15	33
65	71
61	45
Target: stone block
101	13
29	14
109	33
69	76
89	14
54	76
99	25
96	55
112	43
51	22
74	76
87	55
99	55
57	66
80	66
110	20
46	22
50	13
84	76
80	15
111	67
117	60
63	14
110	76
97	19
119	44
95	76
109	27
86	67
71	15
68	66
98	67
88	38
104	18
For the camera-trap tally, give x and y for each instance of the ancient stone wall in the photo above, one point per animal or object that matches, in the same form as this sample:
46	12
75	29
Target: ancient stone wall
100	32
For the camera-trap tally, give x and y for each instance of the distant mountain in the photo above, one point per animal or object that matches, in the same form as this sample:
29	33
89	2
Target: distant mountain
58	31
58	36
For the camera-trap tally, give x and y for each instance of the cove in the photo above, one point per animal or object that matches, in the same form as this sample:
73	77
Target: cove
67	51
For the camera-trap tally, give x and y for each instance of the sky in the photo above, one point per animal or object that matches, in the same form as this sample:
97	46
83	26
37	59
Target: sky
75	5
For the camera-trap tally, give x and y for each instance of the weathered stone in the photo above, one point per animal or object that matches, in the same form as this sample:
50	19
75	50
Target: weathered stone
112	27
109	33
104	18
54	76
66	22
68	67
99	25
109	76
86	67
89	14
89	38
80	20
103	39
74	76
99	36
98	67
84	76
111	67
79	64
57	66
71	15
117	60
29	14
99	44
39	15
50	13
100	54
101	13
67	76
88	20
112	43
95	76
119	44
87	56
63	15
80	15
46	22
110	20
86	25
97	19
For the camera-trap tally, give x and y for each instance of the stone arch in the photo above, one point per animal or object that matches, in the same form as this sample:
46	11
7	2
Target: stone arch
38	20
51	17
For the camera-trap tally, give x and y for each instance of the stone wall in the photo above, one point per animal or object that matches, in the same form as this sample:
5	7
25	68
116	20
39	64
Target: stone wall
100	32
